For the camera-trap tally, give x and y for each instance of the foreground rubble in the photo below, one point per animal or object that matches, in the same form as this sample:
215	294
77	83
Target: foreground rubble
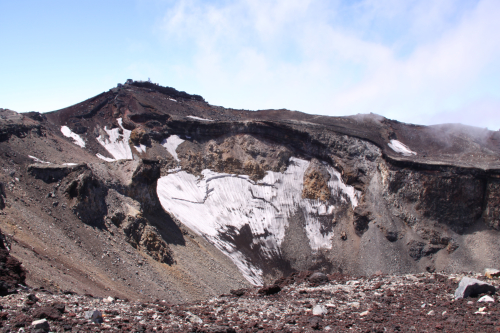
415	302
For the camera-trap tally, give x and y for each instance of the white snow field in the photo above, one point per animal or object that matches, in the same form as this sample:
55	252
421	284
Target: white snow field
215	203
171	144
116	144
401	148
140	148
77	140
107	159
198	118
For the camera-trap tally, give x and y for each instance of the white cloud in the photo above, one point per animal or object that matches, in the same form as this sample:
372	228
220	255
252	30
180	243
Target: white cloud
480	113
404	60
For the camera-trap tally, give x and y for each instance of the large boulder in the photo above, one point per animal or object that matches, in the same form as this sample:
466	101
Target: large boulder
469	287
41	325
318	278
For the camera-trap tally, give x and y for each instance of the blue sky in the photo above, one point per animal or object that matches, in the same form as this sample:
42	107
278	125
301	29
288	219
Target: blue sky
425	62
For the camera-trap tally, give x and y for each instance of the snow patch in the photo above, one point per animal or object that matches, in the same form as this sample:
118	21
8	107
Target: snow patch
37	160
77	140
172	99
140	148
70	164
117	144
198	118
171	144
107	159
218	204
401	148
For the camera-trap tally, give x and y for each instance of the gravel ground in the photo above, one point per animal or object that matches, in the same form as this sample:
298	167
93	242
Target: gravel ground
416	302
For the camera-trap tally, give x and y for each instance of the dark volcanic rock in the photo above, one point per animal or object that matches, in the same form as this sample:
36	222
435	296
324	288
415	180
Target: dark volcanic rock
49	312
239	292
87	195
52	173
22	320
2	196
404	303
12	272
472	287
491	212
315	322
318	278
270	290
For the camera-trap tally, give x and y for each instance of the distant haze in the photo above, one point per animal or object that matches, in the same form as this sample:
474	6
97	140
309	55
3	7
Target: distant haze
425	62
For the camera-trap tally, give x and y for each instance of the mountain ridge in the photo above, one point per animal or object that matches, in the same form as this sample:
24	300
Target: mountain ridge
274	192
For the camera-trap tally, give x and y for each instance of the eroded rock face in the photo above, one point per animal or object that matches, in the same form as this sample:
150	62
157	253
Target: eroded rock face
98	198
316	180
238	154
491	213
87	194
145	237
449	198
140	136
51	173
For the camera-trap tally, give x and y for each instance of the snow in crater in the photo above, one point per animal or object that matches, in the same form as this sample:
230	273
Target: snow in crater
117	144
140	148
37	160
217	204
401	148
107	159
171	144
198	118
177	169
77	140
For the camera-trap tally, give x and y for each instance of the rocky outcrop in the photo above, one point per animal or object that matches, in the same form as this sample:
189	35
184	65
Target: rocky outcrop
237	154
444	196
169	91
140	136
126	213
316	180
146	238
51	173
86	193
491	213
361	220
98	197
142	186
12	273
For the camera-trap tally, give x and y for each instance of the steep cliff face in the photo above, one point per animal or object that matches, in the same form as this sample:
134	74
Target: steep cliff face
194	188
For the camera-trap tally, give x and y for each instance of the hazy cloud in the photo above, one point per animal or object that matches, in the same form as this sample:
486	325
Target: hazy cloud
409	60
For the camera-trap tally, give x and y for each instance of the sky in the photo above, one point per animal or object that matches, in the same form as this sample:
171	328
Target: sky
423	62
